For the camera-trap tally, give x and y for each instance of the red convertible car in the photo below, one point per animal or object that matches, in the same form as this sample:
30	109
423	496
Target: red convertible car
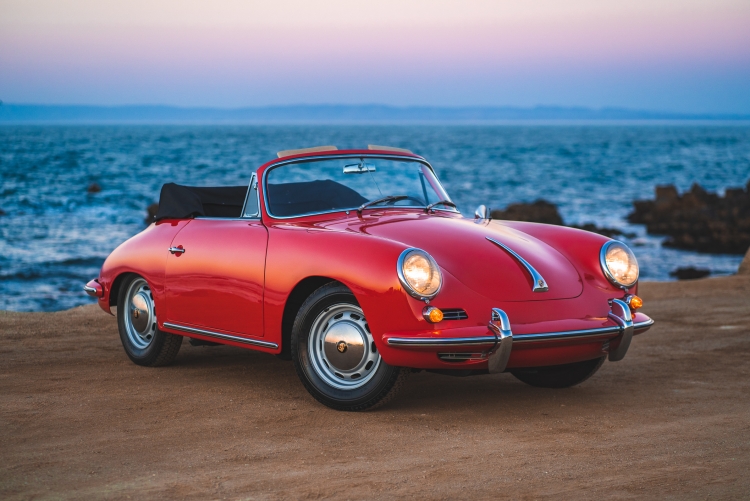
357	266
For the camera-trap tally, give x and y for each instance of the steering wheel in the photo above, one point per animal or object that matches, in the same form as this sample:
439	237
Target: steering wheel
413	199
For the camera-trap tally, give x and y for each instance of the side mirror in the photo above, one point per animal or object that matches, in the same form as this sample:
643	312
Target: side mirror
481	213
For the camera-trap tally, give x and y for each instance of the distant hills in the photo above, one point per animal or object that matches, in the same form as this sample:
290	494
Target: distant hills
325	113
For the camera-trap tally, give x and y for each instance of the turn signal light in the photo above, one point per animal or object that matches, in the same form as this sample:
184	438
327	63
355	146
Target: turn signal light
432	314
635	302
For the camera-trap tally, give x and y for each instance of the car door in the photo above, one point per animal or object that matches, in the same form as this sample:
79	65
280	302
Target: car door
215	273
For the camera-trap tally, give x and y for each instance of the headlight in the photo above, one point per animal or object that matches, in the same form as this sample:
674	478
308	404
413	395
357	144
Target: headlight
419	273
619	264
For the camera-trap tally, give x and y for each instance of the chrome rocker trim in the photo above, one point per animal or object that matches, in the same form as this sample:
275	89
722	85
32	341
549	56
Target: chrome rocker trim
540	285
227	337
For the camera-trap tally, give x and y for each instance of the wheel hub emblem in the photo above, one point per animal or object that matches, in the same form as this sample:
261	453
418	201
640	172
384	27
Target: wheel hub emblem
341	346
136	312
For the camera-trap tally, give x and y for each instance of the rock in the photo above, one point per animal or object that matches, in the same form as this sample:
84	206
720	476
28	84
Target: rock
2	212
689	273
94	188
745	265
540	211
698	220
545	212
152	210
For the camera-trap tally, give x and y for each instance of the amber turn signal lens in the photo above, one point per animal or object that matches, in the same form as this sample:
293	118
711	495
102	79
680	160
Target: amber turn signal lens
432	314
636	302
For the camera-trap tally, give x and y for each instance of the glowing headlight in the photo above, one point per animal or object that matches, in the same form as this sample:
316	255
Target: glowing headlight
619	264
419	273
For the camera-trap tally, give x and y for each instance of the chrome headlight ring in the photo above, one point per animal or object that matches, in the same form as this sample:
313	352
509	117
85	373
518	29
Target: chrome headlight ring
435	269
632	261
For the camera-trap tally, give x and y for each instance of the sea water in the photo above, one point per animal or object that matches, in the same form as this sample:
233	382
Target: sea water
54	236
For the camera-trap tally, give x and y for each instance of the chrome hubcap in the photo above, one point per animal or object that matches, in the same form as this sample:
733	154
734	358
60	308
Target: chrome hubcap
341	348
140	314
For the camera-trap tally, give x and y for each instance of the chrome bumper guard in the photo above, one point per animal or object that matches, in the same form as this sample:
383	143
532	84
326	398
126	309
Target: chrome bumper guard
503	339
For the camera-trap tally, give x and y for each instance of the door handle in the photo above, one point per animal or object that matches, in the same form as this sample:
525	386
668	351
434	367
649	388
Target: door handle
176	250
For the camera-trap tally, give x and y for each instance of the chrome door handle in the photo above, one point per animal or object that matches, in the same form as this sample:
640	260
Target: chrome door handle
176	250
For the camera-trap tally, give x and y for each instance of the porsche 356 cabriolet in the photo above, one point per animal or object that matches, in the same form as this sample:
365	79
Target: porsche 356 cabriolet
357	266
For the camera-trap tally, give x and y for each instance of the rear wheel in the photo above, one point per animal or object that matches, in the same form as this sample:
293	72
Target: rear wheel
144	343
559	376
335	356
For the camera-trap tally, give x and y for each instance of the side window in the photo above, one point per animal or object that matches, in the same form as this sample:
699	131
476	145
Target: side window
251	203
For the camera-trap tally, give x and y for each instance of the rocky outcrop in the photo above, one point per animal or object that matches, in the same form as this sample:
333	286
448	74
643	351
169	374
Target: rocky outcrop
698	220
94	188
540	211
545	212
689	273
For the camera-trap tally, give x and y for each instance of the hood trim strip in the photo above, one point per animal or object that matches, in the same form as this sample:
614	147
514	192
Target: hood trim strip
540	285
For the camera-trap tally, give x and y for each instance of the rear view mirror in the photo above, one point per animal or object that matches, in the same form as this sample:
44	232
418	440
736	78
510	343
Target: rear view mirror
360	168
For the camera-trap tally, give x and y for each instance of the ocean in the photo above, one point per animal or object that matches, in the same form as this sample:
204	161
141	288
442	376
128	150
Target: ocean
54	236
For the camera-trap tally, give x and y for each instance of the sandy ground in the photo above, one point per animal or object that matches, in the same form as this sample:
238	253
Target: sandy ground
671	421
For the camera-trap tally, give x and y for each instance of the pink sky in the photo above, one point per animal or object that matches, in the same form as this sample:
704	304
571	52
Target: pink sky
667	55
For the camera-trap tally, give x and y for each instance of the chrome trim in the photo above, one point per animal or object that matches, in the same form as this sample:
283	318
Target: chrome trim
253	184
517	338
499	355
359	168
540	285
90	291
176	250
621	314
605	268
481	212
402	278
311	158
217	335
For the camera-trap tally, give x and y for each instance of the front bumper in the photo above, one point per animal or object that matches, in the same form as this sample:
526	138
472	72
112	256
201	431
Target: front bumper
496	348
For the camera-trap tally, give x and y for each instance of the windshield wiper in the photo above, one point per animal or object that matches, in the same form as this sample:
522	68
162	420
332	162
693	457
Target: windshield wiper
391	198
441	202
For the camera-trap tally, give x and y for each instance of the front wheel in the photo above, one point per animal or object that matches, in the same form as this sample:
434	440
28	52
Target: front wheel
144	343
335	356
559	376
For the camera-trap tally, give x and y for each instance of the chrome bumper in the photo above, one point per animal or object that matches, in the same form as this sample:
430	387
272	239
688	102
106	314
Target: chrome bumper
503	338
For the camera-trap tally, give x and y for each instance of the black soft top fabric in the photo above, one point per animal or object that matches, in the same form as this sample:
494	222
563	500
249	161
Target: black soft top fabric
182	202
291	199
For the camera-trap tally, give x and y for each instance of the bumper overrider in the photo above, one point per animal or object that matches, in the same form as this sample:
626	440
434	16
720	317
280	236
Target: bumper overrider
498	346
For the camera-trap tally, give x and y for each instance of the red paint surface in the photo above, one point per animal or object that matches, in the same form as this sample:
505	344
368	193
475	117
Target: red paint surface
236	276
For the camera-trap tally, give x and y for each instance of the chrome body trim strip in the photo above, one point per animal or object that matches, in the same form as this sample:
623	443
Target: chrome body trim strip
264	181
90	291
517	338
540	285
217	335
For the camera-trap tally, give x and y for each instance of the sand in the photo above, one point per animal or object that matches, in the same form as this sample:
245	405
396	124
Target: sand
672	421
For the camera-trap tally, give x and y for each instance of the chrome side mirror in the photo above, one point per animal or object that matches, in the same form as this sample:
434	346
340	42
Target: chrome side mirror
481	213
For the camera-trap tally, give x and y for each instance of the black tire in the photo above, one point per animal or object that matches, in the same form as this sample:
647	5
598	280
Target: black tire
559	376
144	343
376	385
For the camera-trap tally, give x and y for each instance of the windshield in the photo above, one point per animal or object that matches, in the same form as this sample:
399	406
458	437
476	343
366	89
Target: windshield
336	184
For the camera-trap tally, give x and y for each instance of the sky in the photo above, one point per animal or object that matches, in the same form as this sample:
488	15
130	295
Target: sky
667	55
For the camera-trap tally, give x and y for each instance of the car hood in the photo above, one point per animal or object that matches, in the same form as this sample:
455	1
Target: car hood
461	247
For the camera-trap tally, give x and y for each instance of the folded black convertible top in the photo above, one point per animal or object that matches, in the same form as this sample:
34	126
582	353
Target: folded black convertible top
182	202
